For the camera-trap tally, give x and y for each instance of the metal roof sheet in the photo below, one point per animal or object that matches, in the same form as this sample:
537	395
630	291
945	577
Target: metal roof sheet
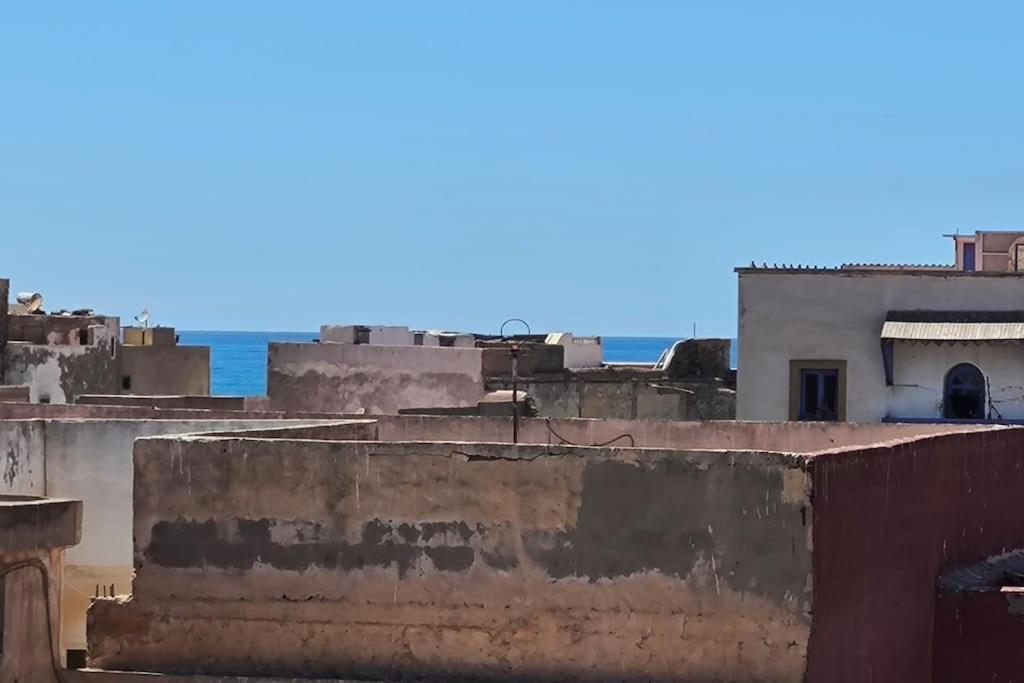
953	331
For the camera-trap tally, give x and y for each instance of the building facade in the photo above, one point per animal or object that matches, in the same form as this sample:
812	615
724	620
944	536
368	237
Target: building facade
870	343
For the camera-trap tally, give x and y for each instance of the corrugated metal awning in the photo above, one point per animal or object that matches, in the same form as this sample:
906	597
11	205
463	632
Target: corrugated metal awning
954	326
953	332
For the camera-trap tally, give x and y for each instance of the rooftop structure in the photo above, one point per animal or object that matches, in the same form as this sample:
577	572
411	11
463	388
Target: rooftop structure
34	533
63	355
896	342
385	370
432	549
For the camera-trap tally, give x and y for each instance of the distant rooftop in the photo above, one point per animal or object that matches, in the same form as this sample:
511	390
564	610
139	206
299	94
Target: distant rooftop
984	252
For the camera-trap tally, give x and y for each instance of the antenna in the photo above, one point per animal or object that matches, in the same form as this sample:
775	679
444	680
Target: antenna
143	318
32	301
514	352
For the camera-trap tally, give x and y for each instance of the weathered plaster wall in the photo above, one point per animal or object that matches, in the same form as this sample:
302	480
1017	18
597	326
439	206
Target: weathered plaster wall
22	461
886	521
839	316
166	370
59	373
351	378
37	532
390	335
369	559
978	636
627	399
186	402
91	460
5	286
789	437
920	373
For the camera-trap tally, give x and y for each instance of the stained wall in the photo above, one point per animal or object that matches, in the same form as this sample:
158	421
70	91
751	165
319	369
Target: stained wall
278	557
354	378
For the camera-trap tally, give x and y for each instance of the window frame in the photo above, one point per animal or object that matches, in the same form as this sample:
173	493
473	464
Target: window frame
982	388
796	371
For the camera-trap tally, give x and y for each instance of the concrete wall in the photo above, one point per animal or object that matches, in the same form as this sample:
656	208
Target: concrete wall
70	330
351	378
22	458
90	460
389	335
5	286
839	316
34	533
269	557
786	437
580	352
640	398
186	402
166	370
978	636
59	373
14	393
887	520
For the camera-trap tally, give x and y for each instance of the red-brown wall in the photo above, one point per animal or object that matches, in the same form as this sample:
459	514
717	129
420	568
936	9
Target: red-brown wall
886	521
979	636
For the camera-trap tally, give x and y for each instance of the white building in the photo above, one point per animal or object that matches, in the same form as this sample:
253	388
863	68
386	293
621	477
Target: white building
868	343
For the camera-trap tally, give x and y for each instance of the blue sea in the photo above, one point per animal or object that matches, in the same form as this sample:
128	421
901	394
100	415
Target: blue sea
239	359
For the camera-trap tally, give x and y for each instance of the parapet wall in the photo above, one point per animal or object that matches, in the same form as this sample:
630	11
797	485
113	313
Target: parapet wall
369	559
297	552
354	378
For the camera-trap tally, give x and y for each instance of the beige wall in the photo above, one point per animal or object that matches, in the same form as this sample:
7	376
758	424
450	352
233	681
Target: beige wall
90	460
166	370
374	379
808	316
59	373
376	559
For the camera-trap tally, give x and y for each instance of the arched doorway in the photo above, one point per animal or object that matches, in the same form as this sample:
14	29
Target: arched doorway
964	396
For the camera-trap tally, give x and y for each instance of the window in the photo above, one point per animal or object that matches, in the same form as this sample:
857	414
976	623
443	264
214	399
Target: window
817	390
1017	257
76	659
964	396
969	256
44	398
362	335
126	383
83	337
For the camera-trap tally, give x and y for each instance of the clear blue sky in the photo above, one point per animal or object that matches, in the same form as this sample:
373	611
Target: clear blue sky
599	167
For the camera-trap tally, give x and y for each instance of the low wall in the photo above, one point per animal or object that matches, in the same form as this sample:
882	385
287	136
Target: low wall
354	378
276	557
789	437
886	521
165	370
627	399
14	393
91	460
188	402
34	534
978	636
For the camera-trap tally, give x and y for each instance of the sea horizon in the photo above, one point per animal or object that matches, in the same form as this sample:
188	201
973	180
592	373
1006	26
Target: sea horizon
238	358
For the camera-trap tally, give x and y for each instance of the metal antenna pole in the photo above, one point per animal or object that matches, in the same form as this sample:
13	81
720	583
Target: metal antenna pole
515	394
514	349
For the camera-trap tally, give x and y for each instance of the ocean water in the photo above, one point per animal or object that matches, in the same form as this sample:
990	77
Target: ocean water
239	359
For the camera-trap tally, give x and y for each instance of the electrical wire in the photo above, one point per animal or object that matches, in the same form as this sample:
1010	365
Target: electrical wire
632	441
44	575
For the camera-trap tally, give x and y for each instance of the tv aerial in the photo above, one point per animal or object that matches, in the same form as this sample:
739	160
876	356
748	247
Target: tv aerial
143	318
32	301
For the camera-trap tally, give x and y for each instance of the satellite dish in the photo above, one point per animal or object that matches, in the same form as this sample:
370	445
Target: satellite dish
143	318
32	301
